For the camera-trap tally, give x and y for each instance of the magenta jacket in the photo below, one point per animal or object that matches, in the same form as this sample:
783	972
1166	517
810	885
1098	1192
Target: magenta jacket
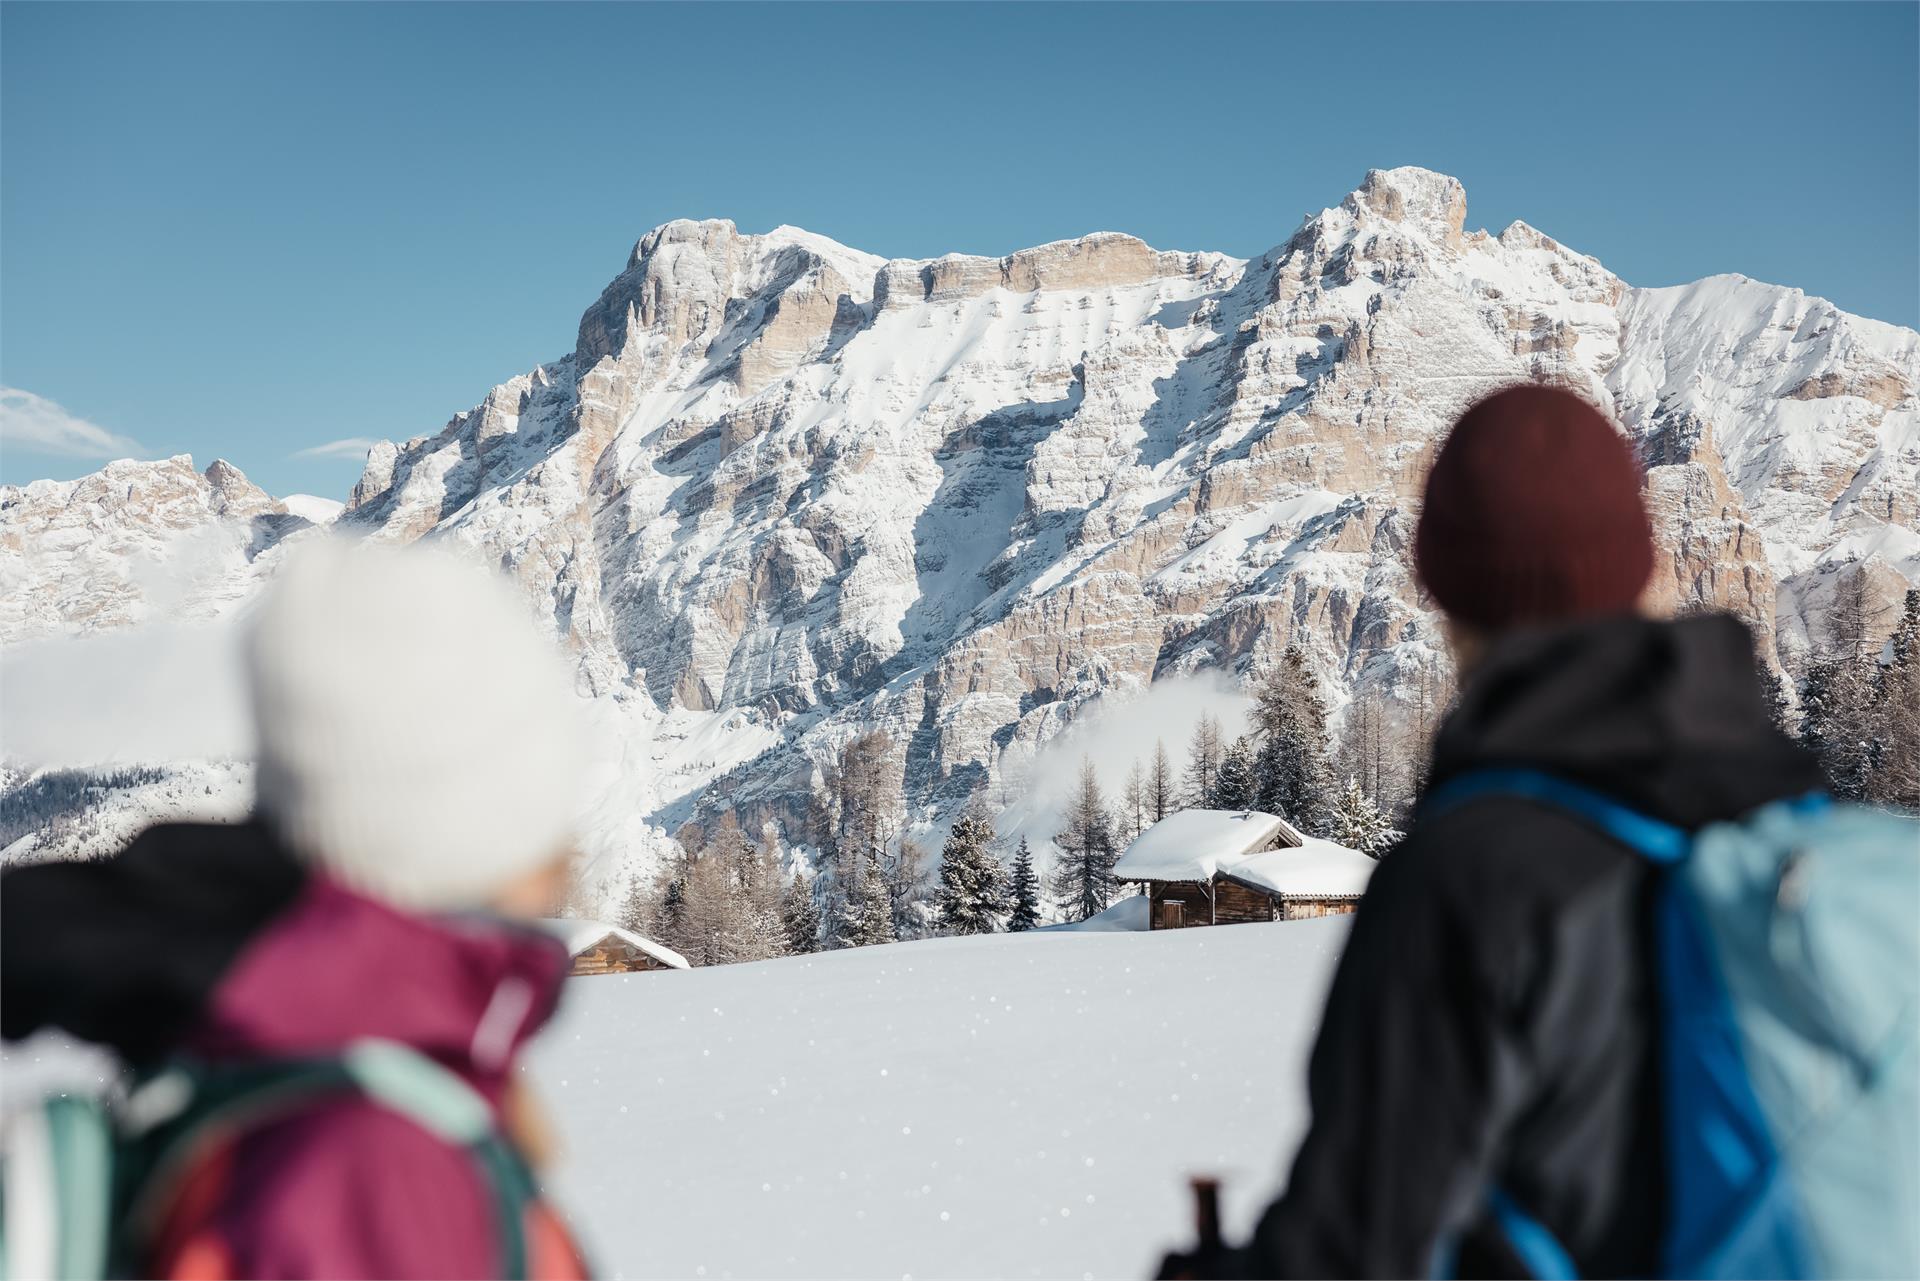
351	1189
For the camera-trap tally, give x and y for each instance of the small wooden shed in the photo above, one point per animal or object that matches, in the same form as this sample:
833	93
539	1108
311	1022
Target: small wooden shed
599	948
1225	867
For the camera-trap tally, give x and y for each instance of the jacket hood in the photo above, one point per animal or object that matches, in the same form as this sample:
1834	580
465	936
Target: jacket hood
1666	716
338	967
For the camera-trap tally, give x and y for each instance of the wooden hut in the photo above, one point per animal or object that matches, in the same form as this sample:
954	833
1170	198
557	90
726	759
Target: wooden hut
1224	867
599	948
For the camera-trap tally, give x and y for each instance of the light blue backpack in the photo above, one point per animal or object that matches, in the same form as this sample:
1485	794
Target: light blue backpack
1789	955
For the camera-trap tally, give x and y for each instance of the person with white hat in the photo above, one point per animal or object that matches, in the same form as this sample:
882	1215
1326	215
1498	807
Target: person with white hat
342	983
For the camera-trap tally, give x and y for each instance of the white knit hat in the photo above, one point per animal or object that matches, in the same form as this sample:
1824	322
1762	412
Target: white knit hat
417	737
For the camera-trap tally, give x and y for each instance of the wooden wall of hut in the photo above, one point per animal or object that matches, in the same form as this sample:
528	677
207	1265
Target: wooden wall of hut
1178	905
613	956
1304	909
1236	904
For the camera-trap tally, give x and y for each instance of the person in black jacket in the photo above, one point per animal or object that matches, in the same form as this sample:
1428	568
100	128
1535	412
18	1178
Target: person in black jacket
1491	1022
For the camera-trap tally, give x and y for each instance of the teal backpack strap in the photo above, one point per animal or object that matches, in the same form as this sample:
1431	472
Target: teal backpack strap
188	1110
57	1207
444	1105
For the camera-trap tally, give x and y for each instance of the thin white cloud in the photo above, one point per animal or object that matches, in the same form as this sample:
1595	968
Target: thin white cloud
353	448
33	422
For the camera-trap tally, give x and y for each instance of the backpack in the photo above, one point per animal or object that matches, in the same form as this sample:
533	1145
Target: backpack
86	1186
1788	963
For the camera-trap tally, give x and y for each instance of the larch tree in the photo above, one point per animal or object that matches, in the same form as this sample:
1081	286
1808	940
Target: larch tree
1083	881
726	896
972	892
1163	790
851	818
1133	802
1203	761
1024	890
907	882
1368	747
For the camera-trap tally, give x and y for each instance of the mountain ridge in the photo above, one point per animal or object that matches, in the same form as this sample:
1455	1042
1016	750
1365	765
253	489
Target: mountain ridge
782	492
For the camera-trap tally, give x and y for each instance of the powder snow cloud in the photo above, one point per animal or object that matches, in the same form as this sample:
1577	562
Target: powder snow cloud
28	421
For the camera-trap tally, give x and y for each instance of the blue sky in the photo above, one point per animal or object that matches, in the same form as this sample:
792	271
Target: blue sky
250	230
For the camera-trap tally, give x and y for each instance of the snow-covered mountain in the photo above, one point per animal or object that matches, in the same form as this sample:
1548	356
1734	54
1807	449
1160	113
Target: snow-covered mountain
782	492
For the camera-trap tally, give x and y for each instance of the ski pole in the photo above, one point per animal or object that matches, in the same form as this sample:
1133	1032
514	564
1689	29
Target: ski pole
1206	1212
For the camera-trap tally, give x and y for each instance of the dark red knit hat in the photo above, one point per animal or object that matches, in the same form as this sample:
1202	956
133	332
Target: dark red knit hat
1533	514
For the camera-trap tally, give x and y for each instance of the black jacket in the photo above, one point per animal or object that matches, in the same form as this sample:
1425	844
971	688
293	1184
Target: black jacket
124	951
1490	1022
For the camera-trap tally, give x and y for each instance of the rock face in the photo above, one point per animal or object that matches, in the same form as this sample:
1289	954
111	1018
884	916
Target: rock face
782	492
132	542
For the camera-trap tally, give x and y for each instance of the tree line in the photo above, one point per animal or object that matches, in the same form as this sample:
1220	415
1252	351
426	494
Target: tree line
730	897
1859	699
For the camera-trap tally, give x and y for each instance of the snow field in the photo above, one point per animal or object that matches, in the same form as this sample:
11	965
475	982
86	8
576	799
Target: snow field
1008	1105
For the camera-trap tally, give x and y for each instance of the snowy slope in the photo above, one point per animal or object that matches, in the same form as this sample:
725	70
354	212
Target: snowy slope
975	1107
954	1108
781	492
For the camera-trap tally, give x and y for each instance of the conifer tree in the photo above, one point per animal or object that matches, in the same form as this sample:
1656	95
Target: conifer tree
672	909
800	916
1025	891
1084	878
1233	786
1904	644
1835	723
972	893
1357	823
867	918
1291	777
1895	778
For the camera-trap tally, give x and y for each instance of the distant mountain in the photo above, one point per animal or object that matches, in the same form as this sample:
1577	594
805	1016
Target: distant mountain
782	492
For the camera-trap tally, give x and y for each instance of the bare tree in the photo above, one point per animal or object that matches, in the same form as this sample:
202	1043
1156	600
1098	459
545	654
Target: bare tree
852	819
1162	790
1133	802
1203	761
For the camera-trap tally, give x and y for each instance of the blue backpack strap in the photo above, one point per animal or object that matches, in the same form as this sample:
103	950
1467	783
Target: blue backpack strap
1545	1258
1538	1249
1657	841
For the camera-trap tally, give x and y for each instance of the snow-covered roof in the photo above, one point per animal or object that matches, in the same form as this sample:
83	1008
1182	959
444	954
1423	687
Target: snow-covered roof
1194	844
1312	869
581	935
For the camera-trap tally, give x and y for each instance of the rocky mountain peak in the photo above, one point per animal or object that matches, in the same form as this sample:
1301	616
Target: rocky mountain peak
232	494
1432	203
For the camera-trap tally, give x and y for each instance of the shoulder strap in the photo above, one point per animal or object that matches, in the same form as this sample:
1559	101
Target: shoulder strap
1657	841
190	1110
442	1104
56	1214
